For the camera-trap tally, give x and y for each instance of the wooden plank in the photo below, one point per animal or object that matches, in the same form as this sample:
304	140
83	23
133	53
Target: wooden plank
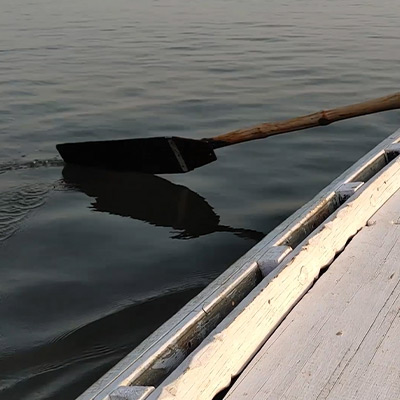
341	340
193	322
234	342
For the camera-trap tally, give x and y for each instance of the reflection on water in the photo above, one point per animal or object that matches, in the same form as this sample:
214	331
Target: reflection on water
100	292
151	199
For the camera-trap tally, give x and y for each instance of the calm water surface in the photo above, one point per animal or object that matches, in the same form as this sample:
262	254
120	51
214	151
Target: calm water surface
93	262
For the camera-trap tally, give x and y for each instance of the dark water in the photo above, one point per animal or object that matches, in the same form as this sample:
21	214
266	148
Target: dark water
92	262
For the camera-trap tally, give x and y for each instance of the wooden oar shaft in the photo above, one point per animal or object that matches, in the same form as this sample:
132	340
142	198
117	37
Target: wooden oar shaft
320	118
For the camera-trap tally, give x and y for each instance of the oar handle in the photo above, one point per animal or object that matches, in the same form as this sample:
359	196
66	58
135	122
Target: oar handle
320	118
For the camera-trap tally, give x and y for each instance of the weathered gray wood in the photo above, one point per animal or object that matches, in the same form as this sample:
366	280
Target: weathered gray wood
236	339
169	344
341	340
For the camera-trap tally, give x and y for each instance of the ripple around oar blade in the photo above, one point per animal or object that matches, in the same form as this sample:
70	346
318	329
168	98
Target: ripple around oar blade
16	204
15	165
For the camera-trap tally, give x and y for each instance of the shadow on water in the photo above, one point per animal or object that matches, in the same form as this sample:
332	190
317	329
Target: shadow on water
151	199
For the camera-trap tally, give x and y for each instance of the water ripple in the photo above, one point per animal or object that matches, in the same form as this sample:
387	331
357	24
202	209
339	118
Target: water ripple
15	165
16	204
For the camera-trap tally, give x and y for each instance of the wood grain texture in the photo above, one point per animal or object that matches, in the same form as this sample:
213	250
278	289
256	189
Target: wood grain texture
341	340
234	342
169	344
320	118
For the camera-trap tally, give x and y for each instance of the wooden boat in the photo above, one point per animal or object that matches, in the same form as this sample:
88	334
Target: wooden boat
276	321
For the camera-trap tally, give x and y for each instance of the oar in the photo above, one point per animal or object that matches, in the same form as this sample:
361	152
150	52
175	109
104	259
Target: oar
162	155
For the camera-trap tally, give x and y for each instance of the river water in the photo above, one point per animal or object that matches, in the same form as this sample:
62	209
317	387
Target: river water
92	262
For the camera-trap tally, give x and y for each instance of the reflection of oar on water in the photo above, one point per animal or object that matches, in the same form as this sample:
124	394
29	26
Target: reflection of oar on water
162	155
152	199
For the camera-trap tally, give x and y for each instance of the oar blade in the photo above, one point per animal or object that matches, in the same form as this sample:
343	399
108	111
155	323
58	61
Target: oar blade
160	155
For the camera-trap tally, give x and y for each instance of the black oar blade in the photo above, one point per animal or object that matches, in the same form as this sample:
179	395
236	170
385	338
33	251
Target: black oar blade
160	155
